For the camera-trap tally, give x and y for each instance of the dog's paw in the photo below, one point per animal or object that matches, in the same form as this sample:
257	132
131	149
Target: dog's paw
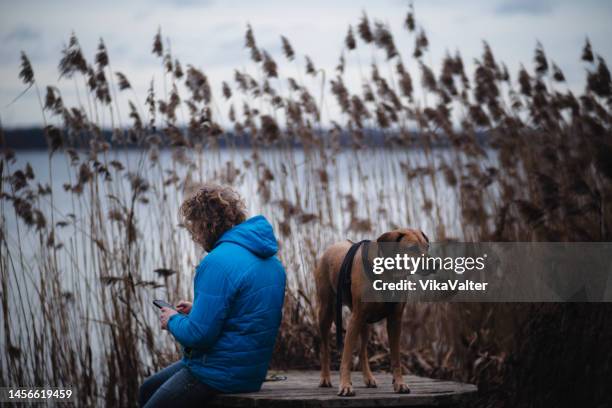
346	391
401	388
325	383
370	382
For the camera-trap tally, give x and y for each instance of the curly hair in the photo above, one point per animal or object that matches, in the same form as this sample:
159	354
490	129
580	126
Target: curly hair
210	211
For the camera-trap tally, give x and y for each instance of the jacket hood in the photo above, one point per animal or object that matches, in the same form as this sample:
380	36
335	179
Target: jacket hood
254	234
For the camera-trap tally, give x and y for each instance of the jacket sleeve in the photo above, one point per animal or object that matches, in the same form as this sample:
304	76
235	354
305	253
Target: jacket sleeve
213	292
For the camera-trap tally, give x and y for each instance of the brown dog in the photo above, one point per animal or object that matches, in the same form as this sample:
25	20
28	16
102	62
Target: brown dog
327	275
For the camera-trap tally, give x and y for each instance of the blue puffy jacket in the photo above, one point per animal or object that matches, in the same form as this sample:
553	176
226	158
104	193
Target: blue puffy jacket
239	289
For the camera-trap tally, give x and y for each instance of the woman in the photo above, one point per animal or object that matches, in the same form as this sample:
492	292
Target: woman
228	333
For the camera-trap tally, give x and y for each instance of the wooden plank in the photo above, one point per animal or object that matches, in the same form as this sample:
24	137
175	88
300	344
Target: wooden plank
301	390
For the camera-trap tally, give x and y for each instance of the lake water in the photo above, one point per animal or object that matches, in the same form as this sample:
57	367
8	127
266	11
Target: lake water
376	180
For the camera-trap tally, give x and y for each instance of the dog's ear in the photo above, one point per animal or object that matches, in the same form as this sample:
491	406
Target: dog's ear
391	236
425	236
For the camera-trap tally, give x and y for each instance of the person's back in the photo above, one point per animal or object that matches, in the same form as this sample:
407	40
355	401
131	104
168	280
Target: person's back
242	280
229	330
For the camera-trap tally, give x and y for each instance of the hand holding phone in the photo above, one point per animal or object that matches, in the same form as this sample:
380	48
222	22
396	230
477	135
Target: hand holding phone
167	312
162	303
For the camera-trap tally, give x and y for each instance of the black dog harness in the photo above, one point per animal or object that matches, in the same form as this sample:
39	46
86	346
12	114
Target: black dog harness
344	286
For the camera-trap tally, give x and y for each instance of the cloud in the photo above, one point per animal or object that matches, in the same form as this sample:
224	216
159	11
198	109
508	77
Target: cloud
22	34
187	3
20	38
530	7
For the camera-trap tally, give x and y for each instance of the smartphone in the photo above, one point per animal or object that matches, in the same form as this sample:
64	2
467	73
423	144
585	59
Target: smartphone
162	303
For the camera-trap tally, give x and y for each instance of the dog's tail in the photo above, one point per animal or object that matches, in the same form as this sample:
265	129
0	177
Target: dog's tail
344	289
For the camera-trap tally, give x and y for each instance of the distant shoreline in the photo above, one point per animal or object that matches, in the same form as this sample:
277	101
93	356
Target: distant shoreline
33	139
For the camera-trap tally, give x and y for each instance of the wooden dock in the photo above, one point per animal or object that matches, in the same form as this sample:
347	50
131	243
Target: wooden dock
301	389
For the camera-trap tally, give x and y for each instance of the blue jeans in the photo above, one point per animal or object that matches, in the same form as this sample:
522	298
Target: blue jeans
174	386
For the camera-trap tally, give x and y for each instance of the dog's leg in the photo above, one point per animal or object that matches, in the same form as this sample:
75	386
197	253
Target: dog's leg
352	333
325	312
368	378
326	315
394	331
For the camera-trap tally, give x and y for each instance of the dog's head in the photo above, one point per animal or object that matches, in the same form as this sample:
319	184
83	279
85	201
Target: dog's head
406	238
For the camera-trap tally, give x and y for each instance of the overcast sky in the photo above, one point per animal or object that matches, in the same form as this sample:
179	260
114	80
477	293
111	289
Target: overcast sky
209	34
